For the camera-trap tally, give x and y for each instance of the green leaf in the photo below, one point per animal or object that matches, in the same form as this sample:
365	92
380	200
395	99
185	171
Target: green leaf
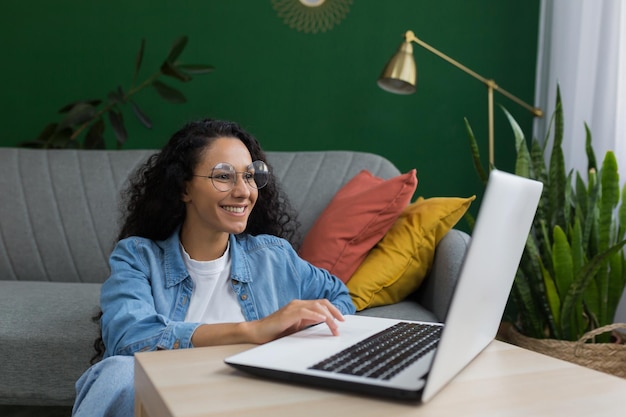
68	107
554	301
523	161
62	139
562	261
116	96
47	132
168	93
577	252
171	71
139	59
94	139
621	215
529	311
143	118
195	69
117	122
82	112
609	199
609	180
556	173
582	279
478	165
177	48
591	156
616	282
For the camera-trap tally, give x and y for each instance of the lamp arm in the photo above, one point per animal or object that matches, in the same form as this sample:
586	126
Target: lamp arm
491	84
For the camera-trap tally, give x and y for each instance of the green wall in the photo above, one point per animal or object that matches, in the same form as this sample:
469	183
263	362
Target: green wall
293	90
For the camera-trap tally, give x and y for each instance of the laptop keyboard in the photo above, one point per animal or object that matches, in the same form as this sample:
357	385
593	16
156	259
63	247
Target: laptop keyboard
386	353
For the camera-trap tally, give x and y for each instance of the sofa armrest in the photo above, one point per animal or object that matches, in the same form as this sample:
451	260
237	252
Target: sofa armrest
436	292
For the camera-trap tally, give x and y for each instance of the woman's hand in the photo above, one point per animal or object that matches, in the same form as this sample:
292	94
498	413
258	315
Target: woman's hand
295	316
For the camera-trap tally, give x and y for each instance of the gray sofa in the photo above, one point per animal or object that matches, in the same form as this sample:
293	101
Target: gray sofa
58	221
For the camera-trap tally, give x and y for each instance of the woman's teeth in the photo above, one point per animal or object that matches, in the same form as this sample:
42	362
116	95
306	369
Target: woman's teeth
234	209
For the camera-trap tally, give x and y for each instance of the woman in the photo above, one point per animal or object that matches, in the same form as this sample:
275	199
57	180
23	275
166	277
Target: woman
195	265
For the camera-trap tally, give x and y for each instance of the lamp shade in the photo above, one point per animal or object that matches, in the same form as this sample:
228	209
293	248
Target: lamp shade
400	73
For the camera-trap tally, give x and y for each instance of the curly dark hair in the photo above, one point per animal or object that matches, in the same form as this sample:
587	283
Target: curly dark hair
152	205
154	208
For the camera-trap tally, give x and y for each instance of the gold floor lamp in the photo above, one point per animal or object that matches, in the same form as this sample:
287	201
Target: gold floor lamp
400	74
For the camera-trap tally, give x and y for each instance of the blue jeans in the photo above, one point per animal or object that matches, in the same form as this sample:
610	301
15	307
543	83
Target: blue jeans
107	389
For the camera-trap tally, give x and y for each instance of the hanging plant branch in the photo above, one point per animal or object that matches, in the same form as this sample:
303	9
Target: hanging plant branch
86	119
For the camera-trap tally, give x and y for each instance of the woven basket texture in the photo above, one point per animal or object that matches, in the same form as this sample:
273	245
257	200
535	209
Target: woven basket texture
605	357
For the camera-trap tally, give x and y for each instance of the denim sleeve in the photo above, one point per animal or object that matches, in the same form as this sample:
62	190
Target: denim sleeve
318	283
137	307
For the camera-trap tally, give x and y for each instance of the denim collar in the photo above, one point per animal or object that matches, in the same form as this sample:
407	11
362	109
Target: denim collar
176	272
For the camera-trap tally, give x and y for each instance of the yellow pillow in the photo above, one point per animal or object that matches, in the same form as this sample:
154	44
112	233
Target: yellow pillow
398	264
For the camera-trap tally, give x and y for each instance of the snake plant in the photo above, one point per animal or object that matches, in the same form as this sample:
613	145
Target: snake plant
573	269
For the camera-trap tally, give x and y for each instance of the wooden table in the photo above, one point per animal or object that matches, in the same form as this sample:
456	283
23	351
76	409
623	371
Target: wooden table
504	380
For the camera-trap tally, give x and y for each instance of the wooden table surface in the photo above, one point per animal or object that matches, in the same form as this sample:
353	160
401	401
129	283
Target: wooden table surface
504	381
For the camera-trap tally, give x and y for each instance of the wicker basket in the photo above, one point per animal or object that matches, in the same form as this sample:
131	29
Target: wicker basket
605	357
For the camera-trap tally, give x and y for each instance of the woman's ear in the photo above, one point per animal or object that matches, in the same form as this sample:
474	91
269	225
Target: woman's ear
184	197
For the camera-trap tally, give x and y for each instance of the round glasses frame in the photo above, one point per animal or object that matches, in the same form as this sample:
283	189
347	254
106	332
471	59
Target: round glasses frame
224	176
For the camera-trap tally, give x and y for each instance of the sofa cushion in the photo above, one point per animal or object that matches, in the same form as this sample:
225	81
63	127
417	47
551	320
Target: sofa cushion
398	264
46	339
356	218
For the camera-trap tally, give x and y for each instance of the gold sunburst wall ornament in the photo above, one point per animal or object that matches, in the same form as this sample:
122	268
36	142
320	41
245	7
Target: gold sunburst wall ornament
312	16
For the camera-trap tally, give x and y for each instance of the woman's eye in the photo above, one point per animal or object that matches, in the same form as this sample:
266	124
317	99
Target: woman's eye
223	176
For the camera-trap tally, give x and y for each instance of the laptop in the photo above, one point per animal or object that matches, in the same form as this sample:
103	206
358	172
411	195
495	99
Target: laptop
426	356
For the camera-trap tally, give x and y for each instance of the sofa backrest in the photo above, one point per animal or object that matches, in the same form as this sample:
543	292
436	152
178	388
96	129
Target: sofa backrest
59	209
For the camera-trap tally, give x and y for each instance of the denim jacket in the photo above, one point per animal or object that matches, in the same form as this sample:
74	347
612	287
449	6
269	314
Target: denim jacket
145	300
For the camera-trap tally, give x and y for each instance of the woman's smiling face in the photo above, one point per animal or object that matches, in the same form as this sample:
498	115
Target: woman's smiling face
209	210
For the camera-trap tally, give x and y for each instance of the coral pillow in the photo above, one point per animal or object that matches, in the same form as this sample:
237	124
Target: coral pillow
398	264
356	218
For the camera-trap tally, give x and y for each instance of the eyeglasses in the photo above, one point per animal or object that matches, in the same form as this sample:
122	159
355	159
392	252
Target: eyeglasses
224	176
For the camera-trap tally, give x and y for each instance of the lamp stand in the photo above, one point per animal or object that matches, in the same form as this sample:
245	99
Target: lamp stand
491	87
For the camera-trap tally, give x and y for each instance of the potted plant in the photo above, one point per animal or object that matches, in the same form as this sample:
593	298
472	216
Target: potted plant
573	269
83	122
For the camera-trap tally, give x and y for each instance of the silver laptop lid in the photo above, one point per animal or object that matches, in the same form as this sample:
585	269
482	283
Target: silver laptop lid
506	213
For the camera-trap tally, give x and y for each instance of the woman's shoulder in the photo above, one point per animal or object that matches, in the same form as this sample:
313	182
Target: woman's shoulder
260	241
144	246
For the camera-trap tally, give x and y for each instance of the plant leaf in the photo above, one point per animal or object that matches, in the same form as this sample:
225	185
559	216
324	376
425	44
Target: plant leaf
117	122
168	93
556	171
582	279
552	296
47	132
143	118
478	165
68	107
94	139
139	59
177	48
609	180
82	112
116	96
562	261
62	139
621	215
591	156
195	69
171	71
522	163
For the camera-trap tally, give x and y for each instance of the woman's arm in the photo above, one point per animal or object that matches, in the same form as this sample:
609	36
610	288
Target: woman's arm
295	316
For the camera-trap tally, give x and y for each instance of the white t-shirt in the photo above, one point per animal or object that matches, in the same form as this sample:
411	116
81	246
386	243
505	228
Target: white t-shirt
212	300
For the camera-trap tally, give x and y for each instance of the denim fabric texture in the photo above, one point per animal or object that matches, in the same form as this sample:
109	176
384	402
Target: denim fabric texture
145	299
